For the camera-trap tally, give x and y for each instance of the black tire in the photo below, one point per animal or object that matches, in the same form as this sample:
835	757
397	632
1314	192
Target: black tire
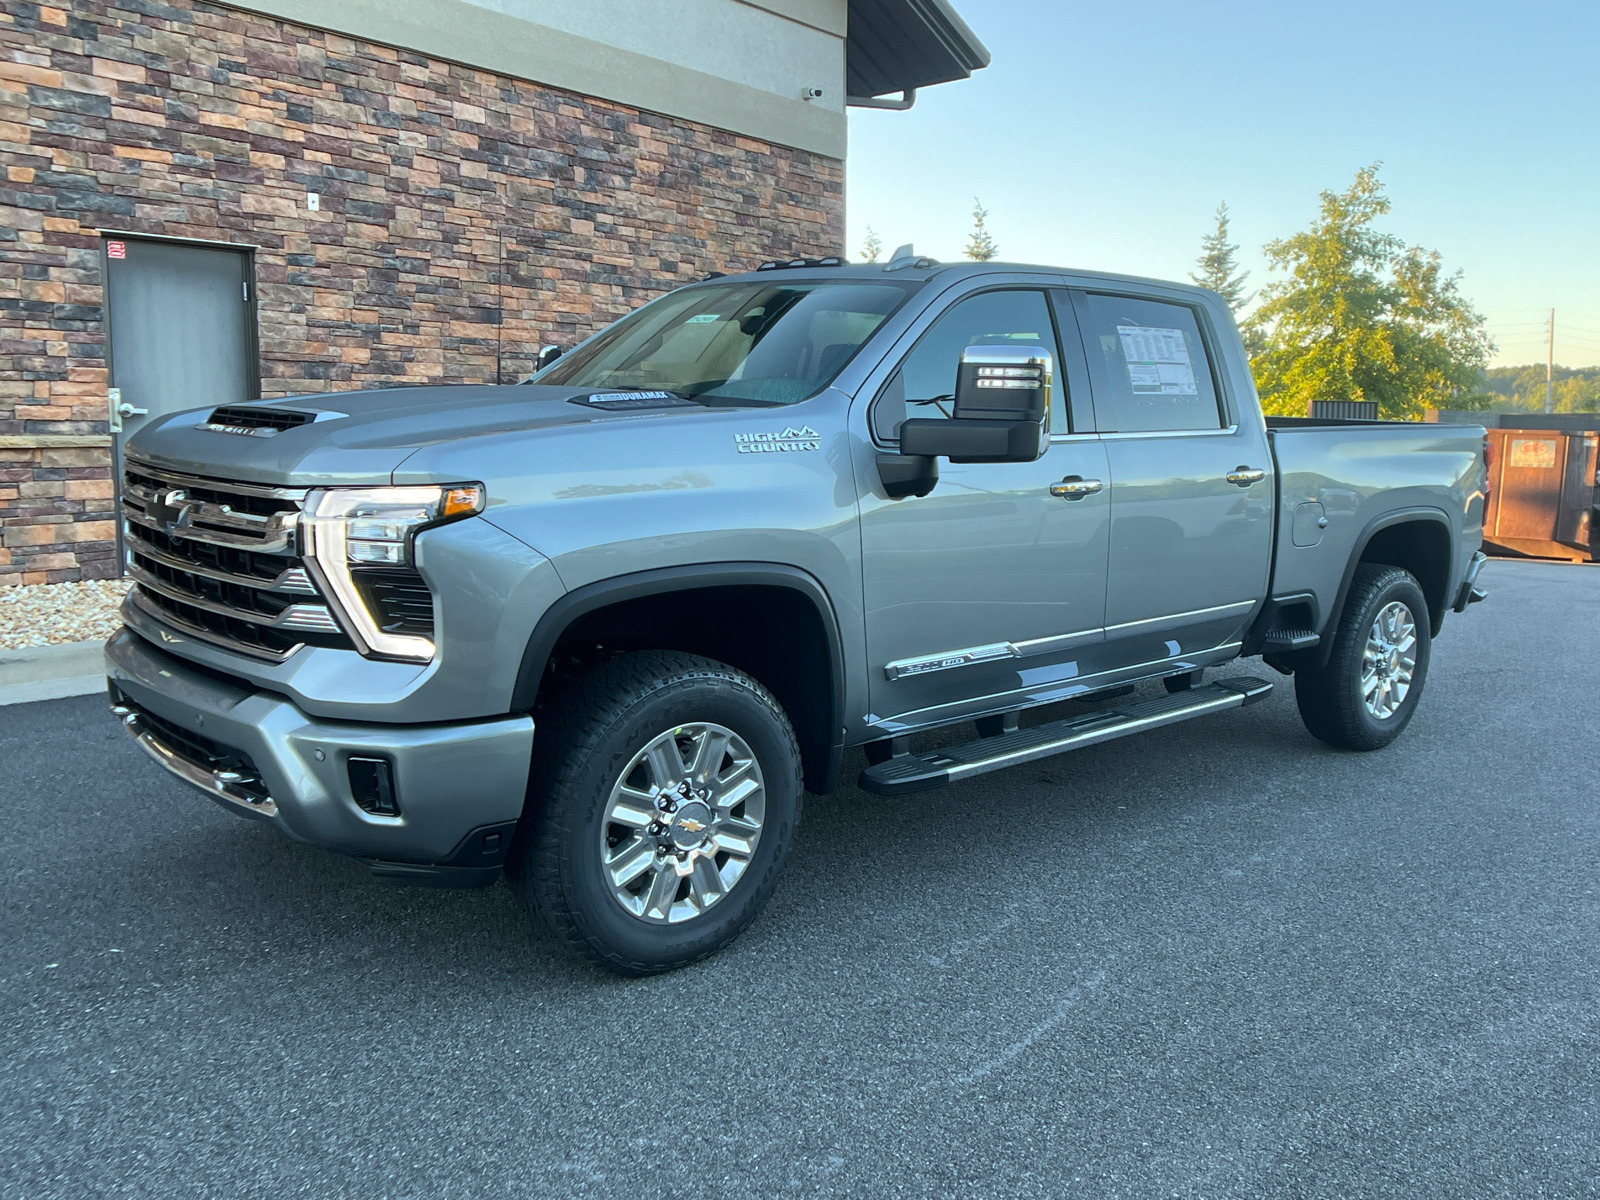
1330	697
591	733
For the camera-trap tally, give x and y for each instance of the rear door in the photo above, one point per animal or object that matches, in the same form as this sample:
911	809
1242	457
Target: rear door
1191	482
990	584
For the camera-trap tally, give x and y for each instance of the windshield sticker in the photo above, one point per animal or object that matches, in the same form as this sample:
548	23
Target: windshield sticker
1158	361
702	319
787	442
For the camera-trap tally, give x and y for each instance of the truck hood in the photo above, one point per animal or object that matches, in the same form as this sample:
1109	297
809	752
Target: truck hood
363	437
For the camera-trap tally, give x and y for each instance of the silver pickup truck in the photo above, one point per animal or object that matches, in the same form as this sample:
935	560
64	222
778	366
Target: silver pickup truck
601	630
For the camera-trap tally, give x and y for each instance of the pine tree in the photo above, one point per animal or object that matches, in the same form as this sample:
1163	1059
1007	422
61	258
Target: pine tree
1219	270
980	246
872	247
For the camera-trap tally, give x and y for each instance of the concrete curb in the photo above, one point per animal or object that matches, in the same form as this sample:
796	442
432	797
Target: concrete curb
52	672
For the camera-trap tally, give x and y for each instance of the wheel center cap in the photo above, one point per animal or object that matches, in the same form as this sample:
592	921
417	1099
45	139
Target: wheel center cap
691	825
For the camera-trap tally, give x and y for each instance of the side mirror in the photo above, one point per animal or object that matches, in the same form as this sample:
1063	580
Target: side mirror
1002	399
547	355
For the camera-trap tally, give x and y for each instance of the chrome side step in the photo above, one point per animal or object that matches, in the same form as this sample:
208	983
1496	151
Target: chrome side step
922	772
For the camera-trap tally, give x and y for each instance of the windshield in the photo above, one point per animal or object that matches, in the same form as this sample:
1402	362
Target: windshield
744	343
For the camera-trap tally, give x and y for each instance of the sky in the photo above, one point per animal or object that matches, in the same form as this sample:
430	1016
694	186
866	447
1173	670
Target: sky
1104	136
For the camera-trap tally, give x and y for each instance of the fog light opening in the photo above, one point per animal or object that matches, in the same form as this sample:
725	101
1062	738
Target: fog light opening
372	786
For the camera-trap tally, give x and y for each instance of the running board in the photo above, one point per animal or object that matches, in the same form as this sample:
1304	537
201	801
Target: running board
922	772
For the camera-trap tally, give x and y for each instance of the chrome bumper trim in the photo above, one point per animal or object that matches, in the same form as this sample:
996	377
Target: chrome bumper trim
213	783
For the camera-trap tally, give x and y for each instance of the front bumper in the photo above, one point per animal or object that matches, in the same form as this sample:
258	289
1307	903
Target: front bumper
460	787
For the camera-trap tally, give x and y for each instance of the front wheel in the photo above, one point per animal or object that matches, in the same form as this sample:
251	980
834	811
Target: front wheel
664	799
1368	691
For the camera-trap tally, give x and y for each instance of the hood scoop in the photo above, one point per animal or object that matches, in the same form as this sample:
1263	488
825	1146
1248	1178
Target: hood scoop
251	421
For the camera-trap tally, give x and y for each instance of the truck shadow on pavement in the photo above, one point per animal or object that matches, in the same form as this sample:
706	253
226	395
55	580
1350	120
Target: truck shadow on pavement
215	892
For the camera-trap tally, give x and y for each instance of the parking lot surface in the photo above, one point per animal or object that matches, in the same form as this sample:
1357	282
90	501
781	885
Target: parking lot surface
1221	961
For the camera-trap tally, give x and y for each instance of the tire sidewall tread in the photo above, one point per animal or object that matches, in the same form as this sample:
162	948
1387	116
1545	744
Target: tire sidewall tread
1329	697
591	731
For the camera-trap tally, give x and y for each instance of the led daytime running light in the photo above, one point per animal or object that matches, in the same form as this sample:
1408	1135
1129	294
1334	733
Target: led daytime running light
375	527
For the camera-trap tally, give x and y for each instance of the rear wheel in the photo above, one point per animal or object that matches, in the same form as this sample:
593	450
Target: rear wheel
664	798
1368	690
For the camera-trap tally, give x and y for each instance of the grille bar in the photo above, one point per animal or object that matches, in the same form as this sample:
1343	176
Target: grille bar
171	613
218	560
314	618
294	580
259	490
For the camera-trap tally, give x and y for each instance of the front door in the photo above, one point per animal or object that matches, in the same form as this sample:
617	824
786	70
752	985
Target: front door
182	328
989	585
1191	484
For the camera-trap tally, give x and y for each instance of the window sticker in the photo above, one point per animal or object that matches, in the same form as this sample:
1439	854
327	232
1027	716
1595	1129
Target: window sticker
1532	452
702	319
1157	360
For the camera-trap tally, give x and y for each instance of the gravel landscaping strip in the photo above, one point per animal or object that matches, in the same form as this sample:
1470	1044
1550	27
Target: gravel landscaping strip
46	614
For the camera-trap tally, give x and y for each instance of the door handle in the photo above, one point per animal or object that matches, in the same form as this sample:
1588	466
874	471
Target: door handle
1075	487
127	410
1245	476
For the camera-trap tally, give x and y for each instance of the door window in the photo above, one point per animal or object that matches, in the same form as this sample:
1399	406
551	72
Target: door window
1148	366
924	385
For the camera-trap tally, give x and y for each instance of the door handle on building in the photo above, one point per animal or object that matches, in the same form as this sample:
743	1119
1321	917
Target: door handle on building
1075	487
1245	476
127	410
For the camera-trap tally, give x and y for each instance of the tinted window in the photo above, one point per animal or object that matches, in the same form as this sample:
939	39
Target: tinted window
924	386
1149	366
762	343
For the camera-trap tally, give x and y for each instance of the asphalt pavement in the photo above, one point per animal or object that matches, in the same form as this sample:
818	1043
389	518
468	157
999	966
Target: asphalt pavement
1219	961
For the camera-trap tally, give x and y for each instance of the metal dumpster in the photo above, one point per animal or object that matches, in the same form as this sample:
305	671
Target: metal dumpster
1542	493
1542	482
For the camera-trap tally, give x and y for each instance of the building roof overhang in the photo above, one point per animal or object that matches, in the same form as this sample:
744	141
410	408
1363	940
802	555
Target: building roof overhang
902	45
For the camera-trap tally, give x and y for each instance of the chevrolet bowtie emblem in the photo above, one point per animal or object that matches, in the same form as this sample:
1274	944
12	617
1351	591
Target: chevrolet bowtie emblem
168	507
690	825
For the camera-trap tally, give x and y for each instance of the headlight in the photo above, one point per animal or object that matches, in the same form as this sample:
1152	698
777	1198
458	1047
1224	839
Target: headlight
373	529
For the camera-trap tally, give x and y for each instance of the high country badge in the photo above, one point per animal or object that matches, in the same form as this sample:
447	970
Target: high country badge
787	442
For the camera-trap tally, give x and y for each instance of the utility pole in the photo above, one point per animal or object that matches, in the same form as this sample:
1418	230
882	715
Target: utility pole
1550	366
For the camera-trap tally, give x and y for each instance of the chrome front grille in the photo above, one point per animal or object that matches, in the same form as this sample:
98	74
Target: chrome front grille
219	560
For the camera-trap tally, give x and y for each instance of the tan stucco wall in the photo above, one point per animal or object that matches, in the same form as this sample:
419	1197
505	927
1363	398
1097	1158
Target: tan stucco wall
726	63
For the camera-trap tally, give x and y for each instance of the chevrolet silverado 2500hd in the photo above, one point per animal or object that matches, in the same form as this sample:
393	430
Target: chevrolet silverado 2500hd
602	629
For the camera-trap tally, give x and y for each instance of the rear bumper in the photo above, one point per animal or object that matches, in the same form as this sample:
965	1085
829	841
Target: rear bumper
459	787
1468	592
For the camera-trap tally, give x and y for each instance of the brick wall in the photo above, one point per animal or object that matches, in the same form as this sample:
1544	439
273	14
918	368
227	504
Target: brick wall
465	219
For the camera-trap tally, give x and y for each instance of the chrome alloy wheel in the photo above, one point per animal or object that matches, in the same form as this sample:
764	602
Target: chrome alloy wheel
682	822
1389	660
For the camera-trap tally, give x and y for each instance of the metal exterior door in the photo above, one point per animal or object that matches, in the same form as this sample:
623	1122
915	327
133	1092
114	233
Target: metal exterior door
182	328
989	585
1191	484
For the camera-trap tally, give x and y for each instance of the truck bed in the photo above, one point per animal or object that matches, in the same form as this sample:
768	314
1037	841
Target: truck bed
1362	473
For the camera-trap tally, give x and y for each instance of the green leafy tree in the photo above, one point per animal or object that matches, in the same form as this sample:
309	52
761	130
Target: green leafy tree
1362	316
872	247
1219	266
980	246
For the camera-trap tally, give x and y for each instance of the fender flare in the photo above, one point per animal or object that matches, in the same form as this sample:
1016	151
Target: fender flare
1404	516
602	593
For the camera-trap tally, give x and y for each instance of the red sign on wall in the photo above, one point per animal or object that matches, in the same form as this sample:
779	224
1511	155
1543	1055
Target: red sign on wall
116	250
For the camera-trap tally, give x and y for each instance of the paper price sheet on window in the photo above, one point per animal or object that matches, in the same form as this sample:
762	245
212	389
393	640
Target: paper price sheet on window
1158	361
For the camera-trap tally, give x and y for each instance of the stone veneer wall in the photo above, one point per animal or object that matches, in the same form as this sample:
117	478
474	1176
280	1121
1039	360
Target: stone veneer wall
465	219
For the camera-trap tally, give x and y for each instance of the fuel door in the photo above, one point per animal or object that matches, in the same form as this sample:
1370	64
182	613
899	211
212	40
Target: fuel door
1309	522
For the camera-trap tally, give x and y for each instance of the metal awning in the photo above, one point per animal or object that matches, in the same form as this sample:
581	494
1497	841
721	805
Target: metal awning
902	45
